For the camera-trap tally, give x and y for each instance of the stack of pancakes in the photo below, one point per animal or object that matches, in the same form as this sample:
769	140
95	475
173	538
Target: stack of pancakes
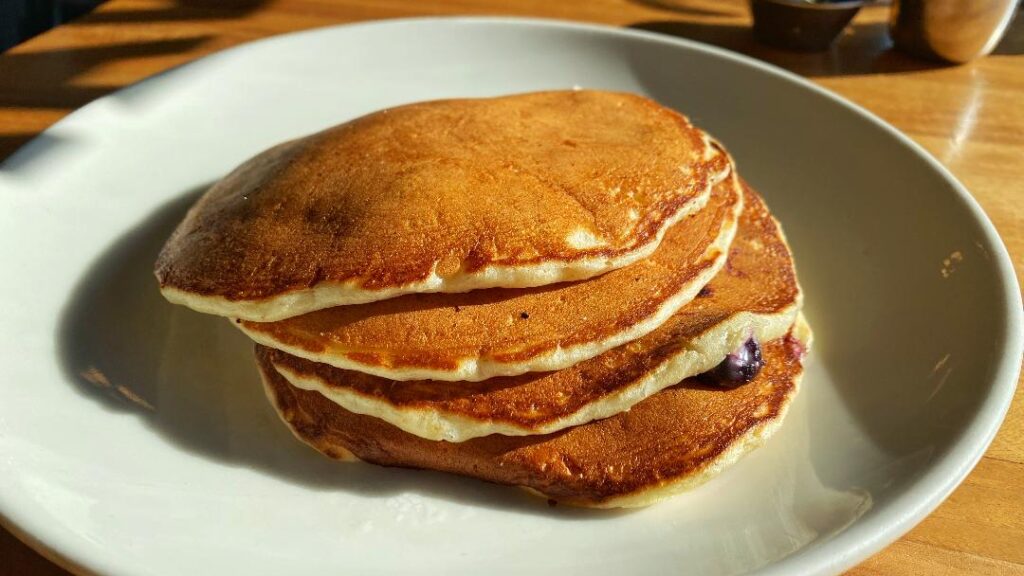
573	292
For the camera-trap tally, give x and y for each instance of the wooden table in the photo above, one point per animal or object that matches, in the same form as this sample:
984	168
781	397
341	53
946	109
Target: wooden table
970	117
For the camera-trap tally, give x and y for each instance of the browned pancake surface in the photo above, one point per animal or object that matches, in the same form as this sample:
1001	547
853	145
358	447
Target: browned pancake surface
759	278
665	439
504	326
456	185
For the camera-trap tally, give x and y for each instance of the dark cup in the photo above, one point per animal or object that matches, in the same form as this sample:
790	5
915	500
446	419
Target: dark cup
800	25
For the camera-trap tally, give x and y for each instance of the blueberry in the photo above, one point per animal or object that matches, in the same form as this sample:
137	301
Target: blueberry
739	367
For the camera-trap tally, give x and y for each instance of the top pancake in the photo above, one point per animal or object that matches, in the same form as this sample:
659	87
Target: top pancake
503	332
445	196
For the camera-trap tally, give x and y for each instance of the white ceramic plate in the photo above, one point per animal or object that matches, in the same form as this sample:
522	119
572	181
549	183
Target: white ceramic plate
911	293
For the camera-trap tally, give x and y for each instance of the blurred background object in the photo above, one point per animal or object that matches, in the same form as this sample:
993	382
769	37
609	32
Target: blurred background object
942	30
951	30
805	25
23	19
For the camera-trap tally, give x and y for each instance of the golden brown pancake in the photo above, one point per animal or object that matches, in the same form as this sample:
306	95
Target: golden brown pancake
501	332
756	294
444	196
670	442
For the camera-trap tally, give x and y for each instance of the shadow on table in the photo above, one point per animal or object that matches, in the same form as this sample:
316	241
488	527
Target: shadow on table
46	79
178	11
689	8
191	379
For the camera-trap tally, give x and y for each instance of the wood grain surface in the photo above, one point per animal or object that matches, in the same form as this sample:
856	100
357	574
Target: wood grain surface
970	117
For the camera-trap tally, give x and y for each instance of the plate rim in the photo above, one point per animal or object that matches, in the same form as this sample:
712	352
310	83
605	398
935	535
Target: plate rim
840	552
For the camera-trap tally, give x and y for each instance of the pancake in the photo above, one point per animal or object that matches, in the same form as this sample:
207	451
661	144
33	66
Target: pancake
445	196
503	332
670	442
756	295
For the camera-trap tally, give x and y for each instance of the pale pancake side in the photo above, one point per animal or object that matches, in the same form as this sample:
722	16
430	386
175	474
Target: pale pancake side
503	332
670	442
755	295
444	196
